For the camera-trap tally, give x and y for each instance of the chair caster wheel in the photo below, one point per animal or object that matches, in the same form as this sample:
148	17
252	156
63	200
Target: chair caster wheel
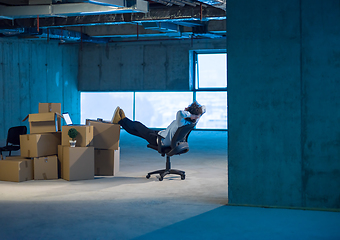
148	176
160	178
183	177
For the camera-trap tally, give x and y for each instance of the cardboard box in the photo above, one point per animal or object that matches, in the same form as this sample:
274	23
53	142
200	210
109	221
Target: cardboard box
39	145
16	157
16	170
44	122
84	137
60	161
49	107
106	162
45	168
105	135
78	163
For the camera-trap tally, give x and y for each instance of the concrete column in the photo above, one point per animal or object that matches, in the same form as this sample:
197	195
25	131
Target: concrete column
283	96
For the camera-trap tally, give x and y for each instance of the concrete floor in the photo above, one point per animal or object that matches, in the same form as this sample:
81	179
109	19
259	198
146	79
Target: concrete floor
129	206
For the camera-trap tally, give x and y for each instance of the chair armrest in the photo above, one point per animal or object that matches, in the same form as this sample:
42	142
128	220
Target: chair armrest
159	142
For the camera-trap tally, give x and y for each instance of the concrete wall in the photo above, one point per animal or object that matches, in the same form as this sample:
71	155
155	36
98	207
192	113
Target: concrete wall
284	98
33	72
139	66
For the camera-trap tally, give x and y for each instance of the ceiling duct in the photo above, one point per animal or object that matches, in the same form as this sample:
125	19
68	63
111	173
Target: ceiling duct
39	2
222	4
112	3
12	32
161	26
72	9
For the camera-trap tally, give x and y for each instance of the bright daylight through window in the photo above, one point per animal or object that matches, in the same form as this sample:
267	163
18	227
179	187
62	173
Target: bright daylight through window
158	109
211	88
211	70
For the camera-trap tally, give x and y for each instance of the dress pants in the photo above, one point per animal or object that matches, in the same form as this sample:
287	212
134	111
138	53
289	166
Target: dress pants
140	130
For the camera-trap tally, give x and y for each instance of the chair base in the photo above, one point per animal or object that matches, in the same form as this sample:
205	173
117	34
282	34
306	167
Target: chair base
163	172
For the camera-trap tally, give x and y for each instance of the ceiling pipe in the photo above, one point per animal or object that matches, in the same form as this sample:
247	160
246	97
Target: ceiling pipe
114	3
38	23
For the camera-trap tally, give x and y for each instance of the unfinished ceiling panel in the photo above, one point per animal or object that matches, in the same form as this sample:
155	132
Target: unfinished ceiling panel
85	20
71	9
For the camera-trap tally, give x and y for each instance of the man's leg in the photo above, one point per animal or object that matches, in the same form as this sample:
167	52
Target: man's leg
138	129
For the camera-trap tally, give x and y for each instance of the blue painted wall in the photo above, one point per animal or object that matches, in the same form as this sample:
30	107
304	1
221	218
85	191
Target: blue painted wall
33	72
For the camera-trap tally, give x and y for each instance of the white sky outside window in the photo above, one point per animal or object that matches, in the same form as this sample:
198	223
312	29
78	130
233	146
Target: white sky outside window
158	109
102	104
216	114
211	70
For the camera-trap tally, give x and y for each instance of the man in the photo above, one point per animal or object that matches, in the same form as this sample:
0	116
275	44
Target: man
191	114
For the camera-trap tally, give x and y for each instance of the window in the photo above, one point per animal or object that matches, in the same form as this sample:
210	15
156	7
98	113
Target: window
154	109
210	87
211	70
102	104
216	115
158	109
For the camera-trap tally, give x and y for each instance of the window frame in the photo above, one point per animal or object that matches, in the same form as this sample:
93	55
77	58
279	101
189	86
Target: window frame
193	70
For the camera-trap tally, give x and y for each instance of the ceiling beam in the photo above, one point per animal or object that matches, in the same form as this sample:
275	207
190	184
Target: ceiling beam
131	30
173	14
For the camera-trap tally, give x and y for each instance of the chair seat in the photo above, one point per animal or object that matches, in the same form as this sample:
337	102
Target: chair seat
179	145
164	150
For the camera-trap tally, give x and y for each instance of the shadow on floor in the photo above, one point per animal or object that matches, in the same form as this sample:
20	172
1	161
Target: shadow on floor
232	222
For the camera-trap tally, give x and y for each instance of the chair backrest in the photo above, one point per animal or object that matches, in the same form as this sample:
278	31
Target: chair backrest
181	135
179	142
13	135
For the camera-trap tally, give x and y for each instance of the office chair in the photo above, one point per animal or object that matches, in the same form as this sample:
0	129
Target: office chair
179	145
13	139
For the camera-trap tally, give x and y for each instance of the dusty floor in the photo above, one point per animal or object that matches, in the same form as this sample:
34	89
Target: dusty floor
129	206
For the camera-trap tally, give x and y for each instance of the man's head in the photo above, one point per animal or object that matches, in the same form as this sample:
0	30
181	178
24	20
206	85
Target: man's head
195	108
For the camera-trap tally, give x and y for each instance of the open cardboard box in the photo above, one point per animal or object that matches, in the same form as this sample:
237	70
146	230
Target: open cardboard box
44	122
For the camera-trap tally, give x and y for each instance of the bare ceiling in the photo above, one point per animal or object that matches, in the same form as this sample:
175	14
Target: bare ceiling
102	21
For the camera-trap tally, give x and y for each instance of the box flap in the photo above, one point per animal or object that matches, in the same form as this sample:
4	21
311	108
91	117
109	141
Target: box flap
49	107
25	118
42	117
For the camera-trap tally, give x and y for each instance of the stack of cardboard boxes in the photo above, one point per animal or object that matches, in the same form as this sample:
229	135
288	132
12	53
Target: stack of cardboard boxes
96	152
106	143
38	149
77	163
46	151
